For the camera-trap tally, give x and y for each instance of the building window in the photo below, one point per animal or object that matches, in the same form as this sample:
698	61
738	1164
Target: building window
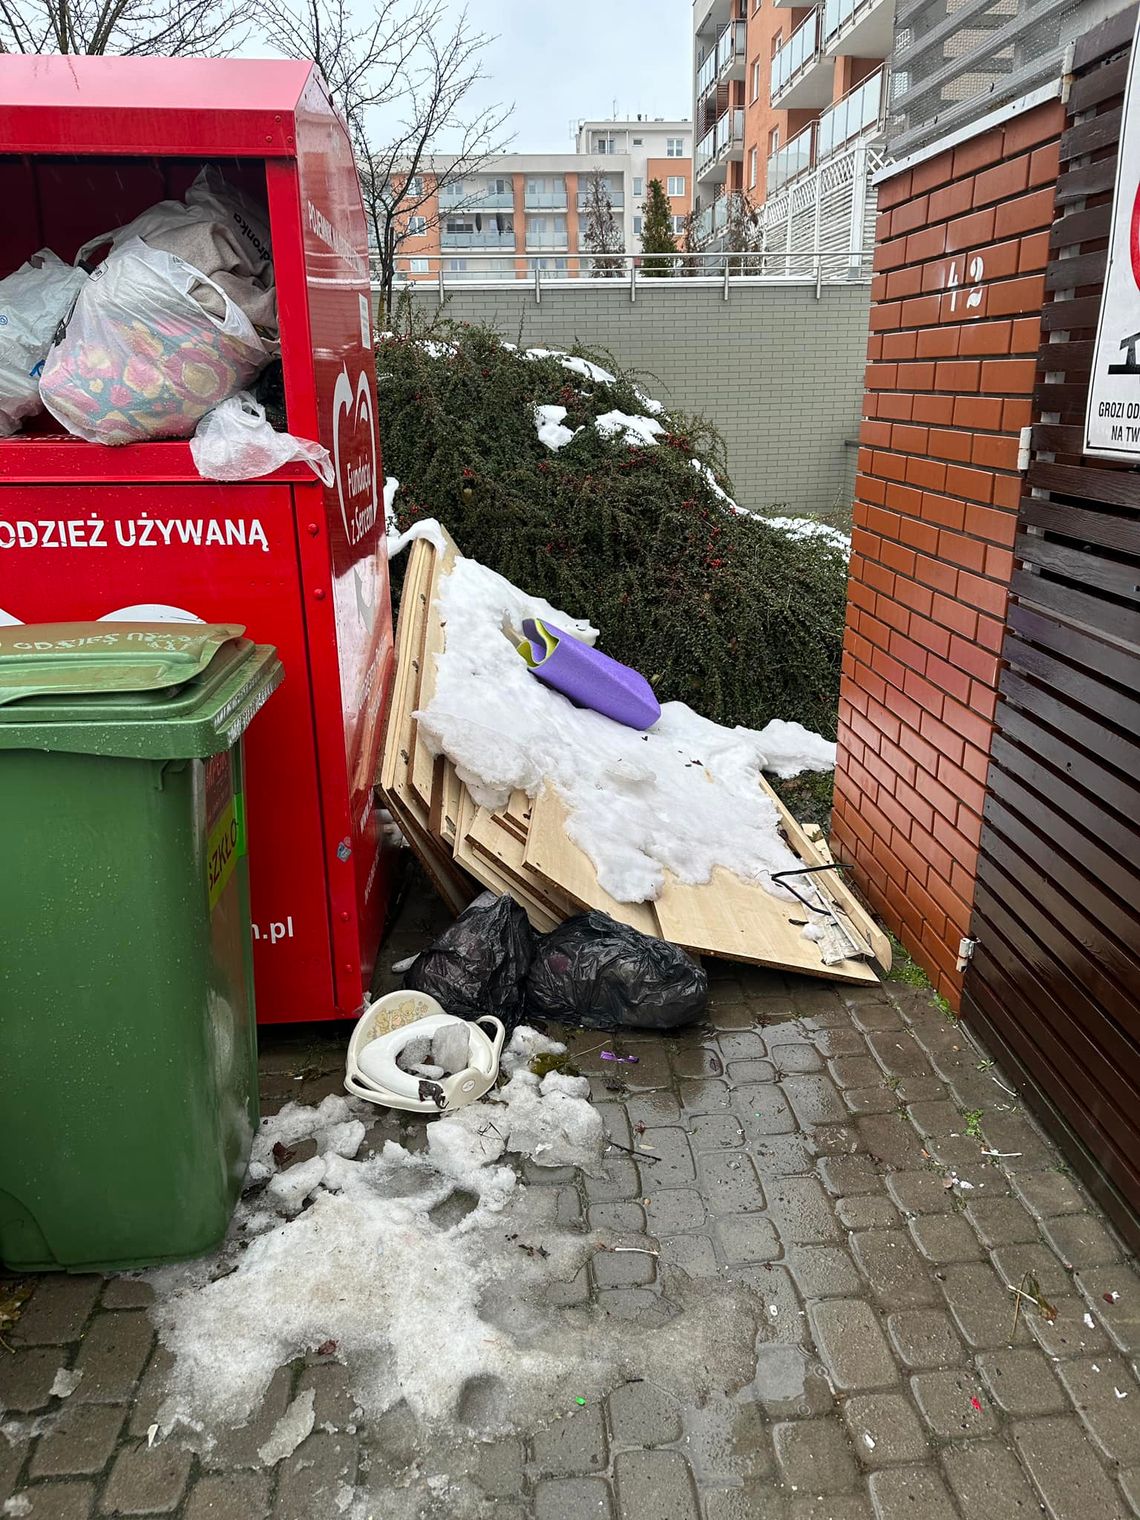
756	79
548	266
457	266
417	226
457	225
415	186
637	226
638	141
777	43
753	167
773	141
419	266
604	145
638	185
676	184
674	147
678	225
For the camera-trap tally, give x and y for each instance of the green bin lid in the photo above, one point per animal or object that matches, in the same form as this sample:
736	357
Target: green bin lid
147	690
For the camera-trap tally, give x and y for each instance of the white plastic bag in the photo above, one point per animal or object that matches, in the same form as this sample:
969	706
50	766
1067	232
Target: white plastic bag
33	302
235	442
151	346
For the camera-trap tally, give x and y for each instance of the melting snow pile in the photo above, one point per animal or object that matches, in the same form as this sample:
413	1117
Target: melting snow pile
548	423
636	431
683	797
422	1299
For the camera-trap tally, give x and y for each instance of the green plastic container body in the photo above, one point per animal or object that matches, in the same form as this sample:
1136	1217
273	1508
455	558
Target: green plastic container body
128	1055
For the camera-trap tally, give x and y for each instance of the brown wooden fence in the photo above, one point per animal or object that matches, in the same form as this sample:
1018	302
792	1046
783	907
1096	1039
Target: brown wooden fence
1054	984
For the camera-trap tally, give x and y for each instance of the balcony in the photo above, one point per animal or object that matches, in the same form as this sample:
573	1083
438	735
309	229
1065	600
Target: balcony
716	148
858	28
617	198
487	238
706	73
710	15
546	200
731	48
801	75
797	155
548	243
860	113
469	196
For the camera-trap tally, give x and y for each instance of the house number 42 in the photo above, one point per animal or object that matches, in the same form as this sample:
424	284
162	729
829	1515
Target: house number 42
974	271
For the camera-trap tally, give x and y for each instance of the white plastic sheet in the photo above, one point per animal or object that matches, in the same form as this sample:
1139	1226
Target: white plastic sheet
34	299
235	442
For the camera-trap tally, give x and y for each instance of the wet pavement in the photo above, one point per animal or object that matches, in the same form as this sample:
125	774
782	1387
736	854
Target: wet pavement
824	1150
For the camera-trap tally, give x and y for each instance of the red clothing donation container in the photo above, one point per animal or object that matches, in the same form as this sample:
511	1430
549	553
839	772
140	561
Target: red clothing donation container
88	531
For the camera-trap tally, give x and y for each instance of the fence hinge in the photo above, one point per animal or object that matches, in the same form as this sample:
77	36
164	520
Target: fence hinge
1024	441
966	948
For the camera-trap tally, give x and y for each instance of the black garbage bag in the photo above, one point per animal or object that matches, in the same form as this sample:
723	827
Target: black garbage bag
596	972
479	964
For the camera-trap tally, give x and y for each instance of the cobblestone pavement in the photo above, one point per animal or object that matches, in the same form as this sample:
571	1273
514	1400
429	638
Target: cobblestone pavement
802	1143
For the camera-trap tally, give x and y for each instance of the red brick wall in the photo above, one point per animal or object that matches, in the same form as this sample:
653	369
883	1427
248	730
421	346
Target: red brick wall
950	376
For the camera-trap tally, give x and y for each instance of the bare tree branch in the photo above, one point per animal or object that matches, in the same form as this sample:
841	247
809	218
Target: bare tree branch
601	235
163	28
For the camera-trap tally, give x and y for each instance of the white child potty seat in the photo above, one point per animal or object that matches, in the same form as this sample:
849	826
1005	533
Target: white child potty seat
371	1069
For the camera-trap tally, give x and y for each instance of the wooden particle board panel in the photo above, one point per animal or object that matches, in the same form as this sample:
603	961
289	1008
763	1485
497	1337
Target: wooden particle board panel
556	858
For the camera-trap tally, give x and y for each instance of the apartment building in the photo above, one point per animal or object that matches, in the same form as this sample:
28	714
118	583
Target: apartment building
780	91
528	211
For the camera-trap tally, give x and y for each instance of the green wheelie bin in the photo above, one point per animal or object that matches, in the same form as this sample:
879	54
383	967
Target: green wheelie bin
128	1046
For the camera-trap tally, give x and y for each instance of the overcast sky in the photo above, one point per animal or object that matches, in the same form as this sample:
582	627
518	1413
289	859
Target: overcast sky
561	60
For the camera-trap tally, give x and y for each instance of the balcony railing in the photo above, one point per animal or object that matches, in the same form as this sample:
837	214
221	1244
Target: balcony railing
485	239
793	158
860	110
476	197
705	151
713	219
546	200
550	242
730	131
837	13
801	48
617	199
706	74
731	46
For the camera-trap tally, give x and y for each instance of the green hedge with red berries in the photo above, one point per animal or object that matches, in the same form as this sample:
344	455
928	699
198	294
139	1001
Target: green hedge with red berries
719	610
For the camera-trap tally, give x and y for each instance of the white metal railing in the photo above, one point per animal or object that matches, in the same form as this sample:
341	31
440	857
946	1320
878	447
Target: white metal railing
837	13
706	74
476	198
722	268
797	154
860	110
801	48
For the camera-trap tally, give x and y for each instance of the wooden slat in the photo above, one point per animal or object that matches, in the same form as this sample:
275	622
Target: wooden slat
1114	484
1080	315
1087	136
1098	85
1067	400
1092	571
1058	437
1087	179
1071	683
1082	768
1100	657
1081	226
1111	36
1085	269
556	858
1109	530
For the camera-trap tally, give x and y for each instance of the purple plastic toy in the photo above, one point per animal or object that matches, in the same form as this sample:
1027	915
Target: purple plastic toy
587	676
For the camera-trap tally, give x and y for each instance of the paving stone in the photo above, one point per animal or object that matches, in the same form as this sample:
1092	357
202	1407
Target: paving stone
890	1139
650	1108
814	1099
1121	1316
741	1045
1048	1193
780	1156
689	1059
622	1218
916	1088
781	1307
920	1192
575	1290
238	1448
642	1414
946	1402
855	1071
1082	1241
640	1305
672	1164
58	1501
620	1180
748	1237
802	1211
127	1293
852	1344
824	1272
1021	1381
1068	1335
616	1121
945	1237
670	1211
1111	1421
751	1071
763	1111
1065	1469
333	1400
911	1493
874	1011
11	1461
839	1140
57	1310
987	1480
870	1100
899	1053
498	1467
728	1440
81	1441
839	1042
844	1176
26	1378
791	1384
229	1496
1002	1222
925	1338
309	1480
816	1454
981	1305
654	1485
828	1507
894	1269
623	1269
574	1445
707	1096
884	1429
1013	1262
715	1132
730	1017
147	1480
744	1502
797	1059
573	1499
730	1183
867	1212
693	1254
1021	1142
113	1354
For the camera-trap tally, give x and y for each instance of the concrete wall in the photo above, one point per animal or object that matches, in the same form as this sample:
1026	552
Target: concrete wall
778	372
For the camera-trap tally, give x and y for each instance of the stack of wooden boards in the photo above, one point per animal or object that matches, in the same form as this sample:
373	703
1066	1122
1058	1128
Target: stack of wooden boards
523	849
